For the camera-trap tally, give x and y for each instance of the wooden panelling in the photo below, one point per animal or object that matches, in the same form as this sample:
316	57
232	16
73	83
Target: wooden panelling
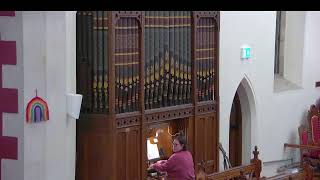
205	143
128	154
93	148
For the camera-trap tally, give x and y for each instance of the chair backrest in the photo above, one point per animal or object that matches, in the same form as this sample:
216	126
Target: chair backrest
315	129
310	132
313	111
303	135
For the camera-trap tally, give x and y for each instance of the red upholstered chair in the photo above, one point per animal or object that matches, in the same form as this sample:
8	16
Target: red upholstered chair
315	129
312	138
313	111
307	153
309	136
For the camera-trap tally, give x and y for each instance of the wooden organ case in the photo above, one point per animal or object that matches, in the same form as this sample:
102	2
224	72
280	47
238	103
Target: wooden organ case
139	70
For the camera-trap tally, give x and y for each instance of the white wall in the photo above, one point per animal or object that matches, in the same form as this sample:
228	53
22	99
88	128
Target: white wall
11	30
34	46
278	115
49	52
70	149
255	29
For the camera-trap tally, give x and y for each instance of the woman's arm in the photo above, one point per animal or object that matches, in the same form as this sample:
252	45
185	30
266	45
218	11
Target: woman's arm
165	164
158	162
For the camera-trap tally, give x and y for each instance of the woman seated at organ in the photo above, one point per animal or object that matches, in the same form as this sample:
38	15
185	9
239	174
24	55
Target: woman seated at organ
180	164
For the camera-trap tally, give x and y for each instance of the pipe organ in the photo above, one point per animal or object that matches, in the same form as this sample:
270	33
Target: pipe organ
141	72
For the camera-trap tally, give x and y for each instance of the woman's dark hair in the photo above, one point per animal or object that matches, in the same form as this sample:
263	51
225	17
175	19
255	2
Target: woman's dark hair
182	140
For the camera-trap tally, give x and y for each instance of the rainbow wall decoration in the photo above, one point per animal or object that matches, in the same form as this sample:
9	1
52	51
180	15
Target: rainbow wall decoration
37	110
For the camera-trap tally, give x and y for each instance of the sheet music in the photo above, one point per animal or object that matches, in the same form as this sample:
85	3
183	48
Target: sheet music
152	150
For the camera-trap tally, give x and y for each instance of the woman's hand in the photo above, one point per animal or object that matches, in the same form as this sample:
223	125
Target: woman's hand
161	161
151	166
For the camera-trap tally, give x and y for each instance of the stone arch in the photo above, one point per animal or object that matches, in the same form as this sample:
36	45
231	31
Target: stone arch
249	118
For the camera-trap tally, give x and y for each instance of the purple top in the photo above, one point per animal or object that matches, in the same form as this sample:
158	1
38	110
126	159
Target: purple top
179	166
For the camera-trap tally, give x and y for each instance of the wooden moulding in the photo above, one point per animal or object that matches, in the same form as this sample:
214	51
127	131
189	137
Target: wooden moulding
128	119
169	113
206	107
164	114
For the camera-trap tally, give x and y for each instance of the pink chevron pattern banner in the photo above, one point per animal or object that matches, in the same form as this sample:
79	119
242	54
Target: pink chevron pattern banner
8	103
7	13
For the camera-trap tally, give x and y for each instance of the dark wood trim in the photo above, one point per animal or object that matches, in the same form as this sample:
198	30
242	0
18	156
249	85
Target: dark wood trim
128	114
216	84
205	107
143	128
169	115
141	43
111	62
128	121
111	41
194	84
194	23
174	108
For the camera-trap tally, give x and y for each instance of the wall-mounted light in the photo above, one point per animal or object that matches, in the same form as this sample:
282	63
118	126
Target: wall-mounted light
157	135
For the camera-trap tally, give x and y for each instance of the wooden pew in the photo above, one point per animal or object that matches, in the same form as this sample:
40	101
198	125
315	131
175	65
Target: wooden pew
251	171
305	174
